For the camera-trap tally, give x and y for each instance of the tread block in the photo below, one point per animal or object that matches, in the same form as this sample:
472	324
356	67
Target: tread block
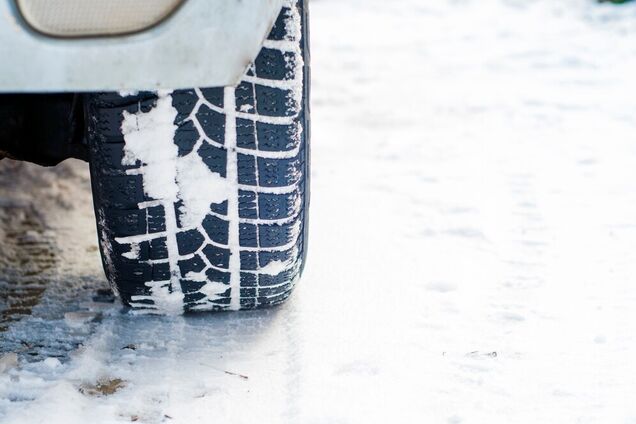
248	292
275	102
119	250
133	270
189	241
247	204
184	101
248	303
193	297
279	172
111	156
275	235
274	64
248	235
194	264
127	222
213	123
224	299
220	208
277	206
248	280
156	219
249	261
214	157
158	249
265	280
279	31
246	169
216	228
178	208
109	119
186	137
217	256
275	138
274	291
218	276
266	257
122	191
214	95
161	272
273	300
244	94
188	286
245	133
133	288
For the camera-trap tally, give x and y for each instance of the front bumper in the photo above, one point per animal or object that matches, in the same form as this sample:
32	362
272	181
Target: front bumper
205	43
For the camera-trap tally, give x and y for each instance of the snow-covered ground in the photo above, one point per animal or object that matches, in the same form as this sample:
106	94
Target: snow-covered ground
472	244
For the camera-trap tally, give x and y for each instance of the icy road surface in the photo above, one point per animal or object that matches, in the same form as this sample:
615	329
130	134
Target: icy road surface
472	253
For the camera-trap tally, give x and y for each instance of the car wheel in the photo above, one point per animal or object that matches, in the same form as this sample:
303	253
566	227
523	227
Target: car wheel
201	194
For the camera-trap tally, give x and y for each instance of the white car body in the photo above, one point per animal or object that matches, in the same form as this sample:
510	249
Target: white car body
205	43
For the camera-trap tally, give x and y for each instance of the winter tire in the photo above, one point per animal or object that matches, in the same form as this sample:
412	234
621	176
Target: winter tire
201	195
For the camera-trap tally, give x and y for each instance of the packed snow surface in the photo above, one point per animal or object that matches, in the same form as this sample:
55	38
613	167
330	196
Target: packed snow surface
472	241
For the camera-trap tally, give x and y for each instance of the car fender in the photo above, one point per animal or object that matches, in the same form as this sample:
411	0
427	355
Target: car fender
204	43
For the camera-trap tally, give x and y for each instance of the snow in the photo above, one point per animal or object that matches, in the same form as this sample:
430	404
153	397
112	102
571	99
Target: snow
168	177
472	240
134	251
274	267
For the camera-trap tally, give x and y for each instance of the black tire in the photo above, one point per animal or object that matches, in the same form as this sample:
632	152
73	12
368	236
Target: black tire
248	250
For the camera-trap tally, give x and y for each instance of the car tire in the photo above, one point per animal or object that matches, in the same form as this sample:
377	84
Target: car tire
201	195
